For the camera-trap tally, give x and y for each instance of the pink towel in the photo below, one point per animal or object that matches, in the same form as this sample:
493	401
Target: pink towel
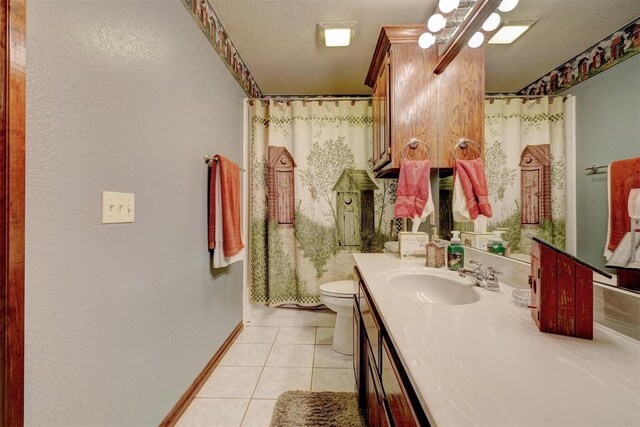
230	192
474	185
413	188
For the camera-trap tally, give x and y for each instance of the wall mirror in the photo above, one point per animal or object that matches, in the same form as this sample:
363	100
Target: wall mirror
540	145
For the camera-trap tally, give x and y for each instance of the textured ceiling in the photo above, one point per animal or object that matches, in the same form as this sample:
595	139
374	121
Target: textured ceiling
277	39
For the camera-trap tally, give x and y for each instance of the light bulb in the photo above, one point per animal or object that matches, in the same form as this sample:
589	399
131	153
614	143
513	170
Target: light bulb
436	23
426	40
492	22
476	40
507	5
448	6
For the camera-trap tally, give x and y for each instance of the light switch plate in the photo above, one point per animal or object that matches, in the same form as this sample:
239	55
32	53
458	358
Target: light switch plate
117	208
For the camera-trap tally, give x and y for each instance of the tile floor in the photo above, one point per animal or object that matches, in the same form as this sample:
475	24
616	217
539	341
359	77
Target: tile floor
261	364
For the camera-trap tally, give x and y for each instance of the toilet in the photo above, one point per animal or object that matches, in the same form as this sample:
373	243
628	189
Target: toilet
338	296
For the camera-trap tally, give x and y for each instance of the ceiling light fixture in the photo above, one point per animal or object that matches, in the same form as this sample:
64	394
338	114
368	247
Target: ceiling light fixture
511	30
336	37
336	34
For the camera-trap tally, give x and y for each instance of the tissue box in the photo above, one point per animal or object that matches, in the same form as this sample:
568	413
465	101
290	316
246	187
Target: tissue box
412	245
476	240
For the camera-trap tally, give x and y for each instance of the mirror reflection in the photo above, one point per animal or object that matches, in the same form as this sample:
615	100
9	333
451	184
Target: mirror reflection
550	154
524	173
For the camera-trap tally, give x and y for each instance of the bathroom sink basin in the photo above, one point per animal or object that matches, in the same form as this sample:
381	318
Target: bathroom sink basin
435	287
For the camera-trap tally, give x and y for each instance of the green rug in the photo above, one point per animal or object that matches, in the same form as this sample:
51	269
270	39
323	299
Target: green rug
317	409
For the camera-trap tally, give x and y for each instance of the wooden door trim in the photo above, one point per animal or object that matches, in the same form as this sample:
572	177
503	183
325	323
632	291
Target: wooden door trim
12	208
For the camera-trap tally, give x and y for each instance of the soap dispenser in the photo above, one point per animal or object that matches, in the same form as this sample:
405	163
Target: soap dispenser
455	253
496	245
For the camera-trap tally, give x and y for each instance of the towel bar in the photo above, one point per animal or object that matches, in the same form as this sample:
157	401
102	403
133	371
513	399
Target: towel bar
595	169
413	144
208	158
463	143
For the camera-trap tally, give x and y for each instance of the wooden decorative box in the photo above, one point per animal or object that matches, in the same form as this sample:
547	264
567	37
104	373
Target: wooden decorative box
561	291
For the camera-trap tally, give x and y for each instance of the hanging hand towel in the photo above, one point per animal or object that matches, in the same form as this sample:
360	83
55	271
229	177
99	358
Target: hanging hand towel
472	180
622	177
459	204
428	210
225	238
414	189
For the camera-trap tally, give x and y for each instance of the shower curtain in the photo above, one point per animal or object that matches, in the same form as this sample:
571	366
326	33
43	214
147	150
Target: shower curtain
525	163
313	198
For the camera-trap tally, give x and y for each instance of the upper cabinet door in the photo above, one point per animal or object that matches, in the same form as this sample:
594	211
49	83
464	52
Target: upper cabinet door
375	112
461	99
382	144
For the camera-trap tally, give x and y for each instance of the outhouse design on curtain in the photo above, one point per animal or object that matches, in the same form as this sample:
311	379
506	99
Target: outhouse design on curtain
313	198
525	162
281	193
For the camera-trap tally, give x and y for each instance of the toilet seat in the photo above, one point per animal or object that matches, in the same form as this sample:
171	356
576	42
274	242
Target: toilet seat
339	289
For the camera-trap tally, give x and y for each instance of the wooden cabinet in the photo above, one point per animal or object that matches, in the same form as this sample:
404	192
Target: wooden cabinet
380	110
385	394
376	413
410	101
396	395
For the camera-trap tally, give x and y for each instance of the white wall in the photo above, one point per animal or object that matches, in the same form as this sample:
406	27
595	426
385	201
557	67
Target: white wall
122	96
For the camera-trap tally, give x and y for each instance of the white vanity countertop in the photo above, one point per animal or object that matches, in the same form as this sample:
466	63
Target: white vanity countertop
487	364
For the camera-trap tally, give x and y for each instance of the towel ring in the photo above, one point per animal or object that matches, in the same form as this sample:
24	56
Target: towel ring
413	144
463	144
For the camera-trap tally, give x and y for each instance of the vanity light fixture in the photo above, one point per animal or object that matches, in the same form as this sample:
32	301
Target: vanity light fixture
511	30
450	16
507	5
426	40
476	40
436	23
492	22
336	34
448	6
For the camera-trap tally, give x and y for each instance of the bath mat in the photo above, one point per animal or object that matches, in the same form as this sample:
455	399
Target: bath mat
317	408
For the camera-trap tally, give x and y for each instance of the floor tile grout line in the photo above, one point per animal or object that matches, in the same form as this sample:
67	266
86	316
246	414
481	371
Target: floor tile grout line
272	344
259	376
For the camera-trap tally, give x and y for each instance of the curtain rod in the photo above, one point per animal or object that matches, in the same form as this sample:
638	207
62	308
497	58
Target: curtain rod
313	98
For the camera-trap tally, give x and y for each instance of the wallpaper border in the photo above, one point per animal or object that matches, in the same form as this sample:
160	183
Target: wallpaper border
611	50
207	19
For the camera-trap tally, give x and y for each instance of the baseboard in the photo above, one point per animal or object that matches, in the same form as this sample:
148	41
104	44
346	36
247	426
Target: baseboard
174	415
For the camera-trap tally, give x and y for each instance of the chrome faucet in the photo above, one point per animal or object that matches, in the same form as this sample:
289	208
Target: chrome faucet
485	279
